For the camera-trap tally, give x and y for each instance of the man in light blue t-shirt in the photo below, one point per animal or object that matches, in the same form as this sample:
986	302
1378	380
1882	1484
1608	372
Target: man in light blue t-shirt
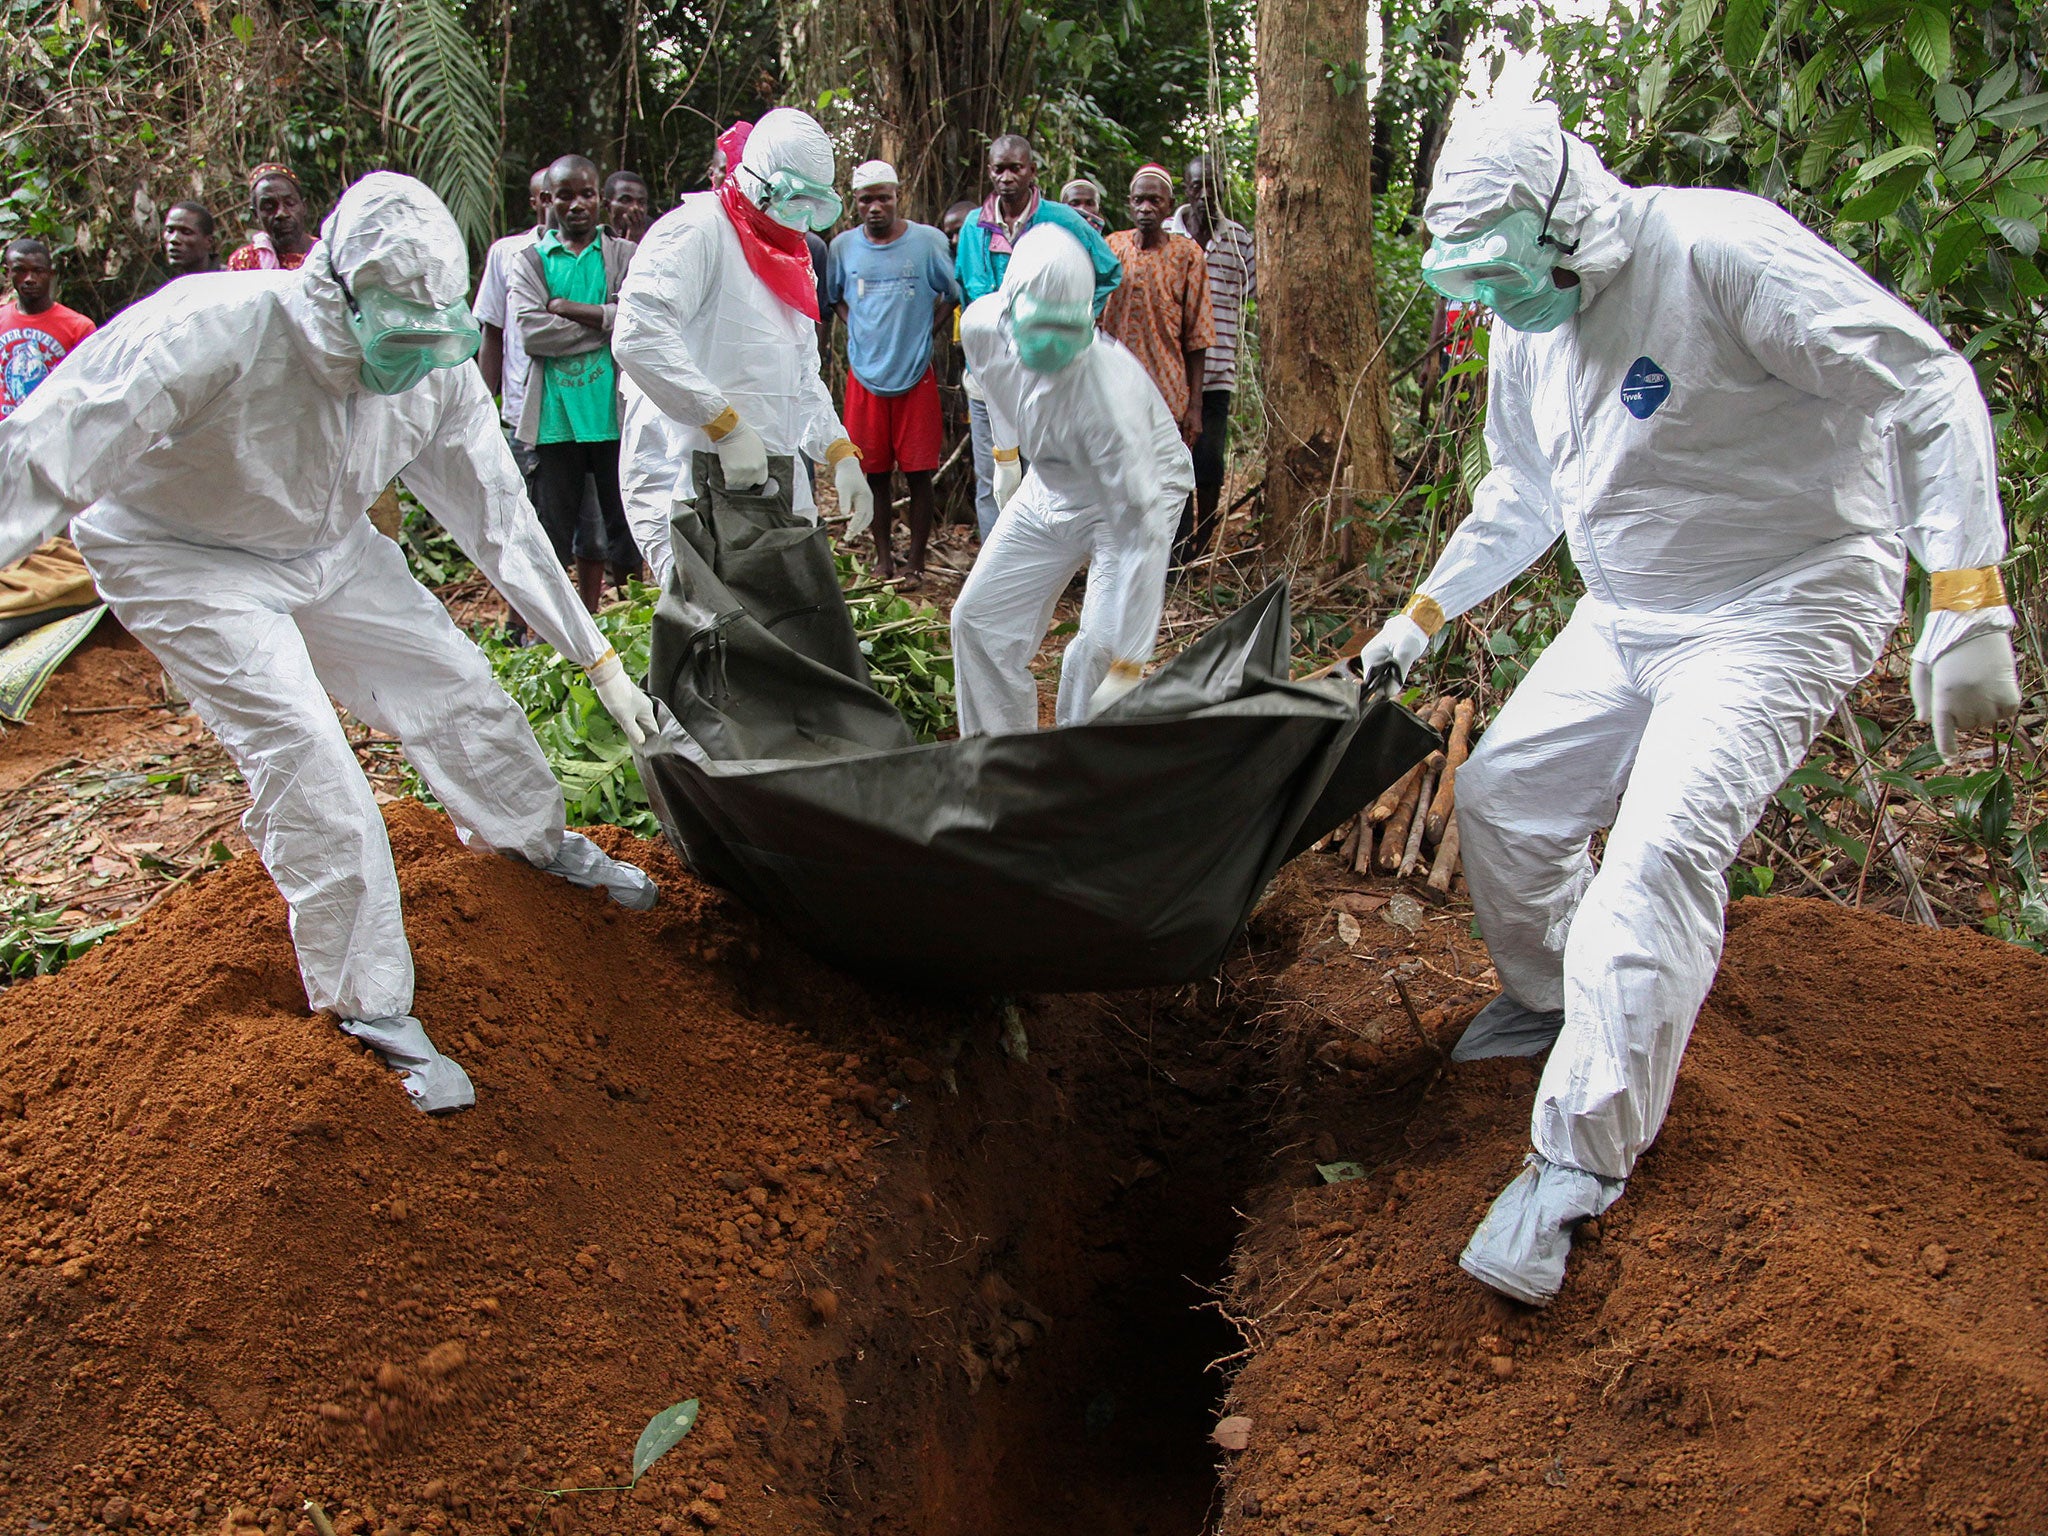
892	282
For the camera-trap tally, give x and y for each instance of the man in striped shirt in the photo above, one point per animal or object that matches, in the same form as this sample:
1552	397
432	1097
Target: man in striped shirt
1232	268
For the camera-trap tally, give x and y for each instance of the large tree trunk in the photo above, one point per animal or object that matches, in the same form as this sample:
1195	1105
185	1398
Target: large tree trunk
1319	334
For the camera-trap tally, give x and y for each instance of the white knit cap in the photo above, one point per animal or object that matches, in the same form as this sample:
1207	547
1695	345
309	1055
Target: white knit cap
874	173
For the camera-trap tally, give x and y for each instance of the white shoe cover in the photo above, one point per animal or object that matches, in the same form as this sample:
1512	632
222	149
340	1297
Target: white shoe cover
1505	1028
432	1081
1521	1247
582	862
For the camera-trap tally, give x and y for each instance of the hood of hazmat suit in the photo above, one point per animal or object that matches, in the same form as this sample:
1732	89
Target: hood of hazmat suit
1108	477
403	272
391	232
216	453
1497	161
1123	852
1740	441
1049	287
787	170
699	333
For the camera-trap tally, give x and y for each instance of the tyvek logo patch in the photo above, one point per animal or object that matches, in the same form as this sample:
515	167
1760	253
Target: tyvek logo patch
1646	387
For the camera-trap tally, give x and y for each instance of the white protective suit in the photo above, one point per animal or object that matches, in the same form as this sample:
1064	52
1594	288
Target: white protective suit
1109	475
217	455
698	334
1741	437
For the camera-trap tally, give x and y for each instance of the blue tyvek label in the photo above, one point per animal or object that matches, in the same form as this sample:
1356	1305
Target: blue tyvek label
1646	387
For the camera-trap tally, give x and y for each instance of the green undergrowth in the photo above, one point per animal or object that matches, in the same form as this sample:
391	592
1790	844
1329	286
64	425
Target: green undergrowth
906	645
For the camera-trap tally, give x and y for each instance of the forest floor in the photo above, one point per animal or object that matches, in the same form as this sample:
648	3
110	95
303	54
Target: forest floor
938	1268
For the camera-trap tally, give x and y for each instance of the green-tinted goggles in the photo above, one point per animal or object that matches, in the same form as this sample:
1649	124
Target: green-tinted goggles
392	329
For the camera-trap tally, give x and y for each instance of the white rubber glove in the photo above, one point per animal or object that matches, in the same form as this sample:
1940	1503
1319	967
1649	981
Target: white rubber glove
1400	640
742	455
1971	685
622	700
1009	474
856	497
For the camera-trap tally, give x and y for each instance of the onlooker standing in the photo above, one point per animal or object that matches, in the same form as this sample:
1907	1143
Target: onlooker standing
281	240
892	282
1233	274
990	233
36	332
503	358
188	239
628	208
1085	198
1161	309
563	297
954	221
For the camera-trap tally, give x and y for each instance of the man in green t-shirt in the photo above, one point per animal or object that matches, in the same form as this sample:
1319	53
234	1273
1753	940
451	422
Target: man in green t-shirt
563	295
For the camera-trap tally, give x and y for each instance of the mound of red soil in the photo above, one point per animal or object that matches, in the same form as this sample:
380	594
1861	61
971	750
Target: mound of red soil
237	1269
1822	1305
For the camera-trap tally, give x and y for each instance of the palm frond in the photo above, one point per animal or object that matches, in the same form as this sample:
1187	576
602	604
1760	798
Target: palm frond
431	81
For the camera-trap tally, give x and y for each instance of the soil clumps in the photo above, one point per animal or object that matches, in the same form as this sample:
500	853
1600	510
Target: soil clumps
237	1269
1820	1307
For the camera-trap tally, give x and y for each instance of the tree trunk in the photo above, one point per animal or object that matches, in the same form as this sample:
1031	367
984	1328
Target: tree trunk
1319	335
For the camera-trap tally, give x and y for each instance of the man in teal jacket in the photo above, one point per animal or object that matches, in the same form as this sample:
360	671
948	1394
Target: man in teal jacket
986	240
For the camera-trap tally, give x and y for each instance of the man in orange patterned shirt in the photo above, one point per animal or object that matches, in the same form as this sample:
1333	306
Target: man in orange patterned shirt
1161	309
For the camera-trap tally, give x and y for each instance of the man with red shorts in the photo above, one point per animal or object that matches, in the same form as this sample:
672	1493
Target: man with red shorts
892	282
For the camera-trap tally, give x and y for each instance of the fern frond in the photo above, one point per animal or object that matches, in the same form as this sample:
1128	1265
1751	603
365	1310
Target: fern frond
431	80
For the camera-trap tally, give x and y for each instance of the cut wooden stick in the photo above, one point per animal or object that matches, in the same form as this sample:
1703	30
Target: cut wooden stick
1411	851
1393	795
1394	835
1349	851
1361	860
1459	749
1446	857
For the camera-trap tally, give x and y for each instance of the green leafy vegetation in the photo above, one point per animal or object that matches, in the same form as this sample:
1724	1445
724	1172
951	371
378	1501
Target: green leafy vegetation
909	663
36	941
908	648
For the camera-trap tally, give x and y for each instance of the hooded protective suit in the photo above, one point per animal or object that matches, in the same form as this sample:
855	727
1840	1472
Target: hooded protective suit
1109	474
1741	437
217	454
704	343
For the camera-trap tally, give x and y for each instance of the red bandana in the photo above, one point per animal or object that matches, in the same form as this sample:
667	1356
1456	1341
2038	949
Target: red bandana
779	255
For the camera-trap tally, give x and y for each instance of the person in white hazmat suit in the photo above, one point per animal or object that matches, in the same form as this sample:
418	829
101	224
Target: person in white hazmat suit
1741	438
1109	475
216	448
717	337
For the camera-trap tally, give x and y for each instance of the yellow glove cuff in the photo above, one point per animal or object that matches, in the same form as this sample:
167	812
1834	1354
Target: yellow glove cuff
843	449
1426	614
611	654
1967	591
722	423
1005	455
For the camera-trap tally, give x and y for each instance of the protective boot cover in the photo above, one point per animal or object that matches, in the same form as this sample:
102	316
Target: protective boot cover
435	1083
1123	852
1521	1247
582	862
1505	1028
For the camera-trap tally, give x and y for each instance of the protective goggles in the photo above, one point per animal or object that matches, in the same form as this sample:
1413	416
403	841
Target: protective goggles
403	341
795	201
1049	335
1508	262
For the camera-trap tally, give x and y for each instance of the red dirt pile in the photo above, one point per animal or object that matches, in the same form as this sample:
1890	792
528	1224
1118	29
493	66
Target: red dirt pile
1822	1305
238	1270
